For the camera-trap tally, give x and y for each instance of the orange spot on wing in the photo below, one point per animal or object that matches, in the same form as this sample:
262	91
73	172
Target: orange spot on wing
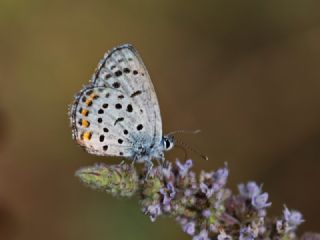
93	96
89	102
85	123
87	135
84	112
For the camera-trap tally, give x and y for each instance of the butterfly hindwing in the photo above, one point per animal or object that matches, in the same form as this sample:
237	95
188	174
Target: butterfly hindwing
107	122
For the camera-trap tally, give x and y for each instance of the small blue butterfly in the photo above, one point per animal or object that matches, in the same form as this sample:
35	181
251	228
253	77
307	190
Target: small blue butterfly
118	113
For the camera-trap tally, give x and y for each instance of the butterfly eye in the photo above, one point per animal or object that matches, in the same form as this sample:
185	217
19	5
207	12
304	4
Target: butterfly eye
168	143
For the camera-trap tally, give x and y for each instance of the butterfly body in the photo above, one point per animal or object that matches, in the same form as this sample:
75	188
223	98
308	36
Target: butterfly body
118	113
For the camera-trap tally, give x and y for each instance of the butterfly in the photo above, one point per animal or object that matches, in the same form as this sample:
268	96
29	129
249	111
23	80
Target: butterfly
118	113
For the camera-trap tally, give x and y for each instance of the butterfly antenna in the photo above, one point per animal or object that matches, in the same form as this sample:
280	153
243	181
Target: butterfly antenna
184	150
181	144
184	131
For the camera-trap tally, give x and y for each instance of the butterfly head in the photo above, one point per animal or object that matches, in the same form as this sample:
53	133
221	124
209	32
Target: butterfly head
168	142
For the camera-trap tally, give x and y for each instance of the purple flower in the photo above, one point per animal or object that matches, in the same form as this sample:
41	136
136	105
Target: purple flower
187	192
171	189
184	168
253	192
206	175
247	233
280	226
206	213
262	212
203	235
206	190
260	201
220	178
289	222
166	200
167	170
153	211
189	228
168	194
293	218
193	180
249	190
224	236
213	228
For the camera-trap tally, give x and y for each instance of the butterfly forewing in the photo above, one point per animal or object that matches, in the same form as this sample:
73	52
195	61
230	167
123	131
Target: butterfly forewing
122	68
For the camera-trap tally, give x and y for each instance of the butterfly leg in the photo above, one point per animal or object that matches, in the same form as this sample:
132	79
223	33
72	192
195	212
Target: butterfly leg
162	160
134	161
149	168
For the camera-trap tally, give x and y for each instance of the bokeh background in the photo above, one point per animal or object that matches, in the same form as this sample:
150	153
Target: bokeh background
245	72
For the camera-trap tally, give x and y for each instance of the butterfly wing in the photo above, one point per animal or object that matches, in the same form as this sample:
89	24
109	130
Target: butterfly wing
119	108
123	68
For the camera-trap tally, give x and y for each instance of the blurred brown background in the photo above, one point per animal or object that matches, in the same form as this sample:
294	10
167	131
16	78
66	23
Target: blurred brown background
245	72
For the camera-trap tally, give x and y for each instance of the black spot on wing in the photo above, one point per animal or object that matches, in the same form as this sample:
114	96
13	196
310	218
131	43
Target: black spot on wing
136	93
120	119
116	85
89	92
118	73
105	105
129	108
